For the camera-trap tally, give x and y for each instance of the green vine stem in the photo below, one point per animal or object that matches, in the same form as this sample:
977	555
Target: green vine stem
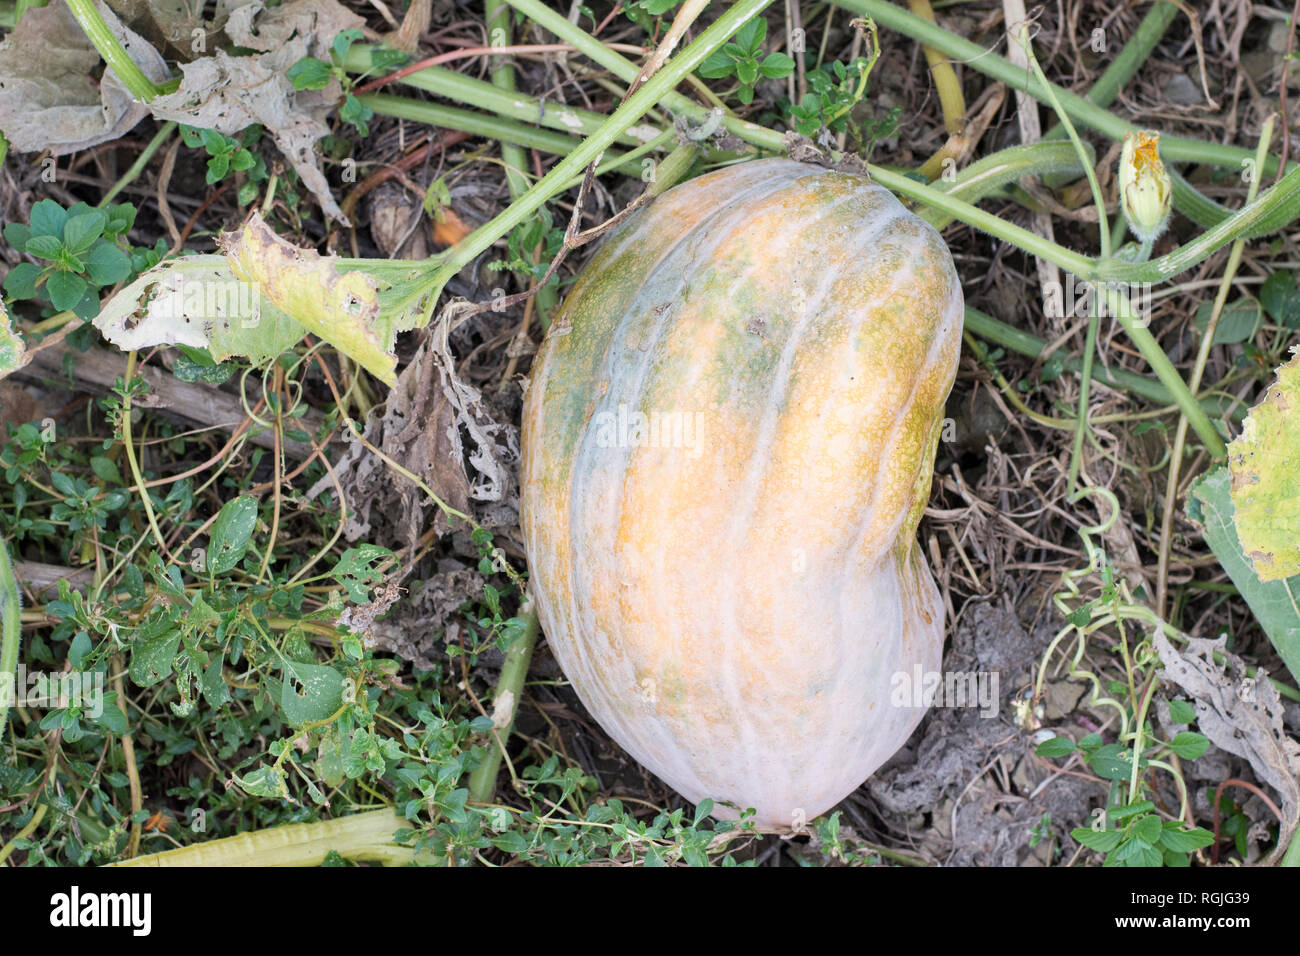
988	175
141	161
654	90
1099	201
1198	369
491	98
1023	343
505	701
1077	107
97	31
1120	307
11	606
627	71
477	124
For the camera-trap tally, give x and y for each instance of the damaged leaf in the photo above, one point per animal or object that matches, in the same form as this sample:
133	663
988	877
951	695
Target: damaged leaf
1276	604
341	308
50	99
13	352
198	302
1240	715
229	93
417	429
1265	465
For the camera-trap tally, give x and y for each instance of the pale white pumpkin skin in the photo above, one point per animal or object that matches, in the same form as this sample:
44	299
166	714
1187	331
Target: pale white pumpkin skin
735	603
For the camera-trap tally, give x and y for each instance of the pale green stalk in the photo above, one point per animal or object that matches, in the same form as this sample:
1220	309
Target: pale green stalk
11	633
97	31
654	90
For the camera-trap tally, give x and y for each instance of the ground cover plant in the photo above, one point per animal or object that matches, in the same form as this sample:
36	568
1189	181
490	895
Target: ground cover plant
264	352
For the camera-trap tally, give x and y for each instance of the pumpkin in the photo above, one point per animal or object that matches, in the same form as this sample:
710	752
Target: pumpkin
728	440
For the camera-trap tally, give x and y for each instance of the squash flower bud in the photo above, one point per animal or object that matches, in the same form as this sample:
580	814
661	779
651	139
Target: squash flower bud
1144	188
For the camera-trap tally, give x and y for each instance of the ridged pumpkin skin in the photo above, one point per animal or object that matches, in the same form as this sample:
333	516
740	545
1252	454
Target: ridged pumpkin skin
733	610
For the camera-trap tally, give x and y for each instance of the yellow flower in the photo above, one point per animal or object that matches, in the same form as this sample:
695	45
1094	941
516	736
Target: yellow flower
1145	191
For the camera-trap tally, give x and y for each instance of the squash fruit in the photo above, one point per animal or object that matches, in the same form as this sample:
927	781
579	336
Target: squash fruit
728	441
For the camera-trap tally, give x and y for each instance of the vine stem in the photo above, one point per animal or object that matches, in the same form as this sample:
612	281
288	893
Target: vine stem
970	54
636	106
1198	370
141	161
11	632
510	685
129	446
1120	307
110	48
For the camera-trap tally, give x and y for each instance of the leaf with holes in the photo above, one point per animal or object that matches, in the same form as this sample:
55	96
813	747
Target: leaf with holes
340	307
197	302
228	539
310	692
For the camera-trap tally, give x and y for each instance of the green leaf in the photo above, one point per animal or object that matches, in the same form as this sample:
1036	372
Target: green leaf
80	231
1274	603
1185	841
111	717
17	234
339	48
1132	810
1147	829
1107	762
106	264
152	657
747	72
213	684
716	66
218	166
263	782
751	36
1056	747
1189	745
12	351
356	570
357	113
105	470
1181	712
776	65
47	219
187	370
1280	297
45	247
1239	321
121	217
79	650
702	811
1103	841
65	289
512	842
20	283
310	692
228	539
